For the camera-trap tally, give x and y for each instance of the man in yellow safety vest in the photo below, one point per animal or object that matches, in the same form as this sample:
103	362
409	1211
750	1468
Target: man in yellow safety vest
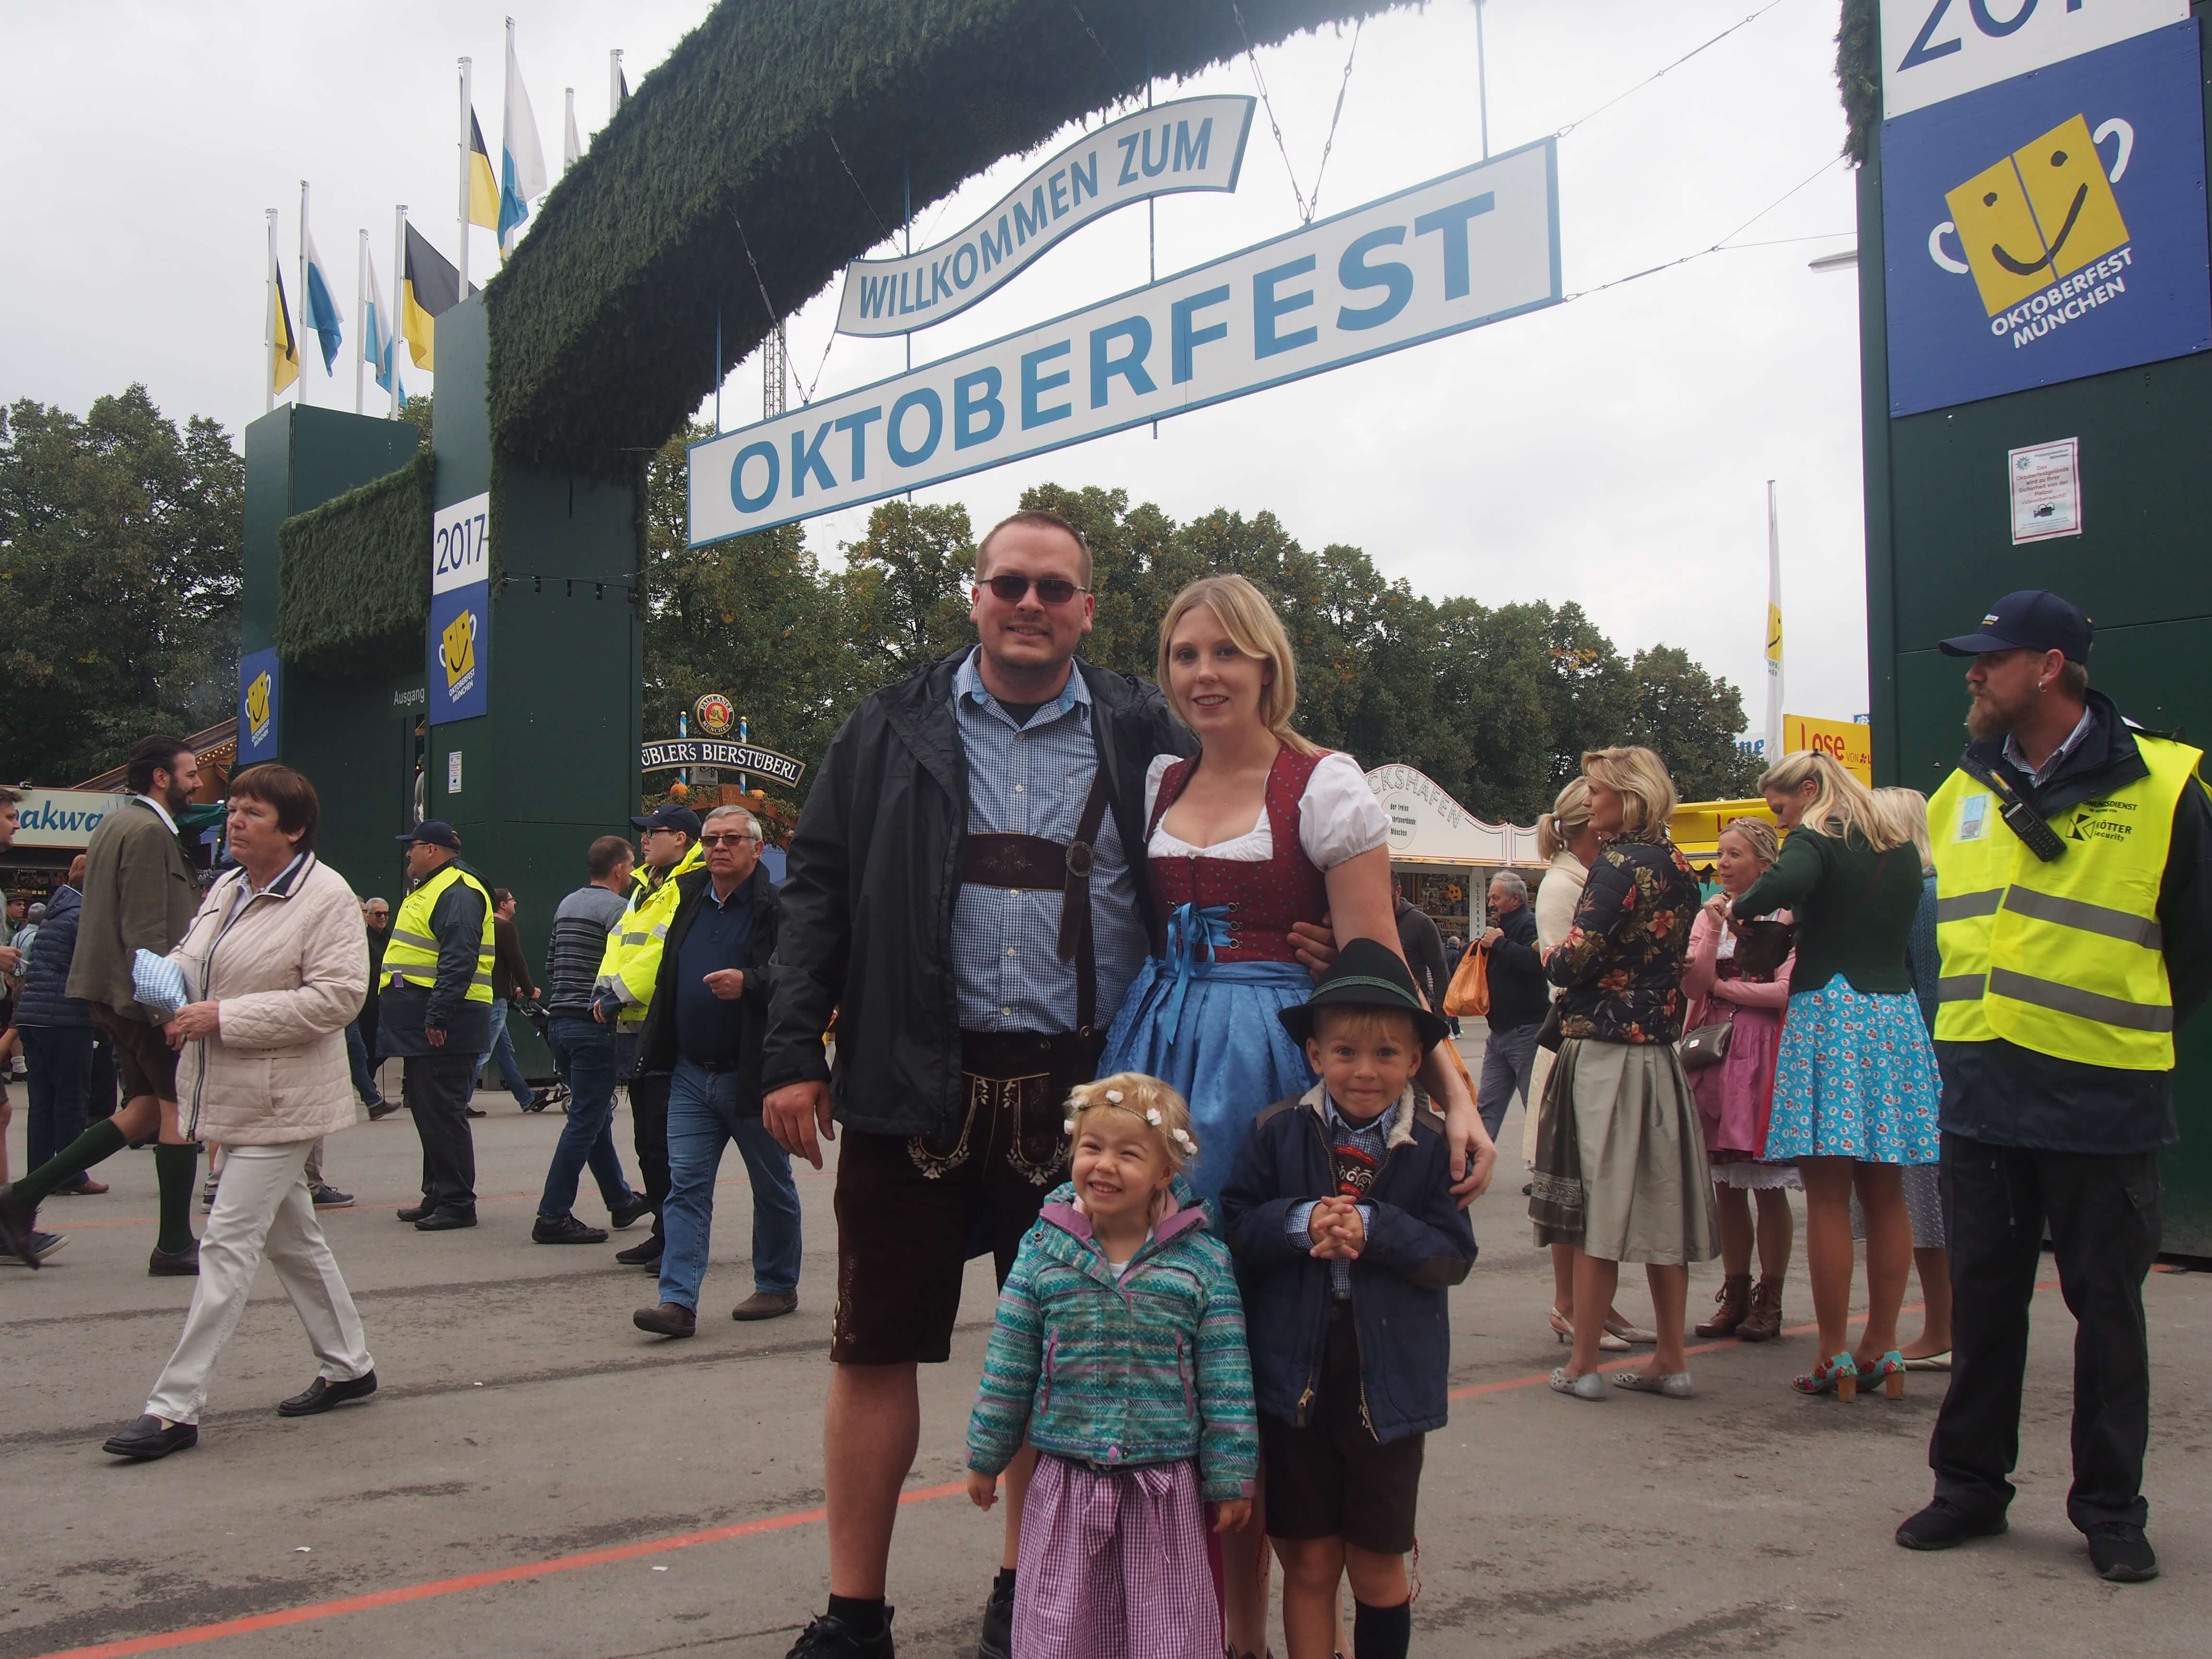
669	841
2074	923
435	1011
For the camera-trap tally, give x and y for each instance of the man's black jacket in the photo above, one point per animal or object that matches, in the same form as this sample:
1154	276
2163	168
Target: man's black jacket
872	877
2010	1095
403	1012
1519	992
656	1045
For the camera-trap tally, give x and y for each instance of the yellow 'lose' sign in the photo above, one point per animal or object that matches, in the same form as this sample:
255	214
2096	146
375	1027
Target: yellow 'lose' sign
1846	742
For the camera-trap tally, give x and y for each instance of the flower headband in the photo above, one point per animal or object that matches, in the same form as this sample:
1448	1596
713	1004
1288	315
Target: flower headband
1150	1114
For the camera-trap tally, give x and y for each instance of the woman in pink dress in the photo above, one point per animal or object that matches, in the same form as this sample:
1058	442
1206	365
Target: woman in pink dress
1735	1097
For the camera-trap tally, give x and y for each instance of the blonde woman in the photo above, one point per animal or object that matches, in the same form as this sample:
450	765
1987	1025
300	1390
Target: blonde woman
1854	1089
1735	1094
1260	833
1620	1162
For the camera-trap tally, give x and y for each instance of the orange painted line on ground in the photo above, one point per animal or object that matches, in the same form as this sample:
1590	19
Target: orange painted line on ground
247	1626
65	1220
406	1593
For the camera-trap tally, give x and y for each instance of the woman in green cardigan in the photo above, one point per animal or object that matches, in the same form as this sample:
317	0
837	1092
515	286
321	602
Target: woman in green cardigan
1855	1086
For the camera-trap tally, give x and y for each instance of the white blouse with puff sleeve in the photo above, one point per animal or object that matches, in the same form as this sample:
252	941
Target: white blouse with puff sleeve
1339	818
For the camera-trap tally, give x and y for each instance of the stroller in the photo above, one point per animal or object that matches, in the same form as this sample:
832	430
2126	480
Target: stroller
557	1092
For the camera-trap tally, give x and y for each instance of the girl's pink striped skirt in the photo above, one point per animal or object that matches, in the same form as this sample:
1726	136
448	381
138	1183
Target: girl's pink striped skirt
1116	1566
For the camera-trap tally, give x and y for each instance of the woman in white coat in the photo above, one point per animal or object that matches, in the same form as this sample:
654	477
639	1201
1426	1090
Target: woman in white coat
276	965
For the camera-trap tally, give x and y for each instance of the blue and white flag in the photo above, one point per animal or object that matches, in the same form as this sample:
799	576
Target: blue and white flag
378	334
521	162
322	306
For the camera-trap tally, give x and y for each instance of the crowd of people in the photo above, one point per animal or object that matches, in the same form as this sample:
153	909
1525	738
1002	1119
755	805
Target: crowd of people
1107	979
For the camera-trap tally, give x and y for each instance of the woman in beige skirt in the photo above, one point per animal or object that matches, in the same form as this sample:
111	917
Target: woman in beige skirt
1621	1160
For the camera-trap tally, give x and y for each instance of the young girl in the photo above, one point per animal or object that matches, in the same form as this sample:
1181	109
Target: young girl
1119	1351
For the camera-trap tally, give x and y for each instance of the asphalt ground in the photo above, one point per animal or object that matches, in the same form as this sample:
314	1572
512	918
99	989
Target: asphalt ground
538	1477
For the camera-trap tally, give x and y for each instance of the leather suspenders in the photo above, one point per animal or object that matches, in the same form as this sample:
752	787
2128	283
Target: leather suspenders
1035	864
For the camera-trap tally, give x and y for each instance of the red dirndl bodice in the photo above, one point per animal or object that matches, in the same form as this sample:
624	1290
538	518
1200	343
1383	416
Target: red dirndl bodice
1253	906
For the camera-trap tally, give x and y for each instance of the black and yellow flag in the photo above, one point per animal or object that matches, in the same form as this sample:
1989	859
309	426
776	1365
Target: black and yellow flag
483	181
284	346
430	287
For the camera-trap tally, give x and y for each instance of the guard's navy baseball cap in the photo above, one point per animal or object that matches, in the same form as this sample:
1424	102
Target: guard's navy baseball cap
436	831
669	816
2033	619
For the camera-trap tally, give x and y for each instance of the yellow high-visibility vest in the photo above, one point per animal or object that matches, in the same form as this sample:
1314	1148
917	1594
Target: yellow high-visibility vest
411	956
2066	958
631	963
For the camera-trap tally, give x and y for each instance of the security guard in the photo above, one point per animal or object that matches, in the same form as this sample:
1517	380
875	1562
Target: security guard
2074	920
669	841
435	1011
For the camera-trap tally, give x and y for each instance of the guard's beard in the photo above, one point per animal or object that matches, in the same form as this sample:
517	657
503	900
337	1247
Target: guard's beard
1987	722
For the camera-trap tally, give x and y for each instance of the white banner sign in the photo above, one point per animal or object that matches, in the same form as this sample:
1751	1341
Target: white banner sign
1472	247
460	543
61	818
1936	49
1195	143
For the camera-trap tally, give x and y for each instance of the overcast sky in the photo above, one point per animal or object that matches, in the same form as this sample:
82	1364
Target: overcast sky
1612	450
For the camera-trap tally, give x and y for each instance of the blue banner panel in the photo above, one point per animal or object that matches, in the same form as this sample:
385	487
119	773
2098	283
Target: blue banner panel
458	667
2049	227
260	682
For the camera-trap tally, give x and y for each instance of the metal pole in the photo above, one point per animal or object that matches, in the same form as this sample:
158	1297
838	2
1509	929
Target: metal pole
614	82
301	393
745	735
399	300
567	126
1482	78
906	193
467	167
718	368
268	320
1152	205
360	318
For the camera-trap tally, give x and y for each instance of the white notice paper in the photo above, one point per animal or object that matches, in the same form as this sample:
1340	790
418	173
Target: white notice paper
2046	490
453	771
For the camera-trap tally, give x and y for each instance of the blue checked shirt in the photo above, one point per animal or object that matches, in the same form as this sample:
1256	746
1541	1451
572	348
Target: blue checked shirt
1032	780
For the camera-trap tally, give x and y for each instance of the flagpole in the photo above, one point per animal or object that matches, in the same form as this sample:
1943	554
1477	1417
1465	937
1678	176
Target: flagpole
1773	626
399	301
568	120
467	165
360	317
268	320
302	394
505	125
614	83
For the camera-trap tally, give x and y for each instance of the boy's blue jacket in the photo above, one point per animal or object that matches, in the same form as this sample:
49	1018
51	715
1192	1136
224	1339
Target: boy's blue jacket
1420	1245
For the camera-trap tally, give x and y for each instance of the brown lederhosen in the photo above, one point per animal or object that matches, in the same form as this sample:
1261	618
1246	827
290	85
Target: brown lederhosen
911	1210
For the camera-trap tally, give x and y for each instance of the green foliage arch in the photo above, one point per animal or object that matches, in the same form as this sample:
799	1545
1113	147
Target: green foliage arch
351	599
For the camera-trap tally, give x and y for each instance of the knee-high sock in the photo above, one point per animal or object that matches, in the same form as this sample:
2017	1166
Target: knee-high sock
174	1168
1381	1632
102	1140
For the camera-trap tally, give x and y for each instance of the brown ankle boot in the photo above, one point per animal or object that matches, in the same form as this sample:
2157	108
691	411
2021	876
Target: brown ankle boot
1735	1300
1764	1321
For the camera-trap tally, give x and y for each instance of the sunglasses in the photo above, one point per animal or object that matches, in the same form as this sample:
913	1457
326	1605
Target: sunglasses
1052	590
725	840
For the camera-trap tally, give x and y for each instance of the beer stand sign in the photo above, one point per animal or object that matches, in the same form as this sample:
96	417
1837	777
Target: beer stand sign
457	666
723	742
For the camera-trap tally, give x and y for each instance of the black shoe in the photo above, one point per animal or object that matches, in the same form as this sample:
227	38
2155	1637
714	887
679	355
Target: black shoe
566	1230
16	1228
322	1394
666	1319
627	1215
175	1264
382	1108
2121	1553
414	1212
646	1253
327	1197
833	1639
997	1641
42	1245
146	1439
474	1112
446	1221
1942	1526
538	1100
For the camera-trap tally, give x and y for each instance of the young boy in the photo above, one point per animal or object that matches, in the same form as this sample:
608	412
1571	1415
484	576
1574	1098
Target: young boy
1341	1217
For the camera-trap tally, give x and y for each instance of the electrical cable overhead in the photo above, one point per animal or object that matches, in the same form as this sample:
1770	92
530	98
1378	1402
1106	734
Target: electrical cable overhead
1562	132
863	194
1306	204
1727	244
1112	67
774	321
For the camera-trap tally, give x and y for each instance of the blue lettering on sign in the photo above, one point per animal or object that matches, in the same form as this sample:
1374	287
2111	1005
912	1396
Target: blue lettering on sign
1452	224
746	503
875	295
968	251
1185	338
977	395
924	399
1029	220
1267	305
1079	181
857	424
1127	144
1153	169
807	458
1138	332
1002	249
1353	271
1035	386
1190	153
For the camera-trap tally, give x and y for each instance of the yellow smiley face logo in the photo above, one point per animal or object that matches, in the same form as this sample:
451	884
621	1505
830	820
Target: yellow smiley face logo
257	702
2045	210
459	641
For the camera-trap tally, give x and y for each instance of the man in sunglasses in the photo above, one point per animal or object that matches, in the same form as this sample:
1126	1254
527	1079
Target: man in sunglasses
965	892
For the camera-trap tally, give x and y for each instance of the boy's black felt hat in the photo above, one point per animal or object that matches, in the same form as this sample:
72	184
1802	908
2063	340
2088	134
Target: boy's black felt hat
1367	974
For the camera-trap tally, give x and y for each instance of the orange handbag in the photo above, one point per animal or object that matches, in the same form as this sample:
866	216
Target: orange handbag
1469	990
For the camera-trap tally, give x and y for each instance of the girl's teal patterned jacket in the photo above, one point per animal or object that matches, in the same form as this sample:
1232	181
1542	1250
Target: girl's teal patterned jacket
1152	1369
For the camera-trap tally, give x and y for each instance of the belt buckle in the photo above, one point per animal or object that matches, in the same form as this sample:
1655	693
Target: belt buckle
1080	860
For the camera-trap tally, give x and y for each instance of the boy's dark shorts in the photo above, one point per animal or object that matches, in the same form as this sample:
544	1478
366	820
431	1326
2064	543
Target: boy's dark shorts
145	1064
1332	1478
912	1210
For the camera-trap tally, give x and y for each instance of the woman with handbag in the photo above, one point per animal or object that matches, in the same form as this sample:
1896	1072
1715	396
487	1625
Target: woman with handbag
1854	1088
1736	1005
1620	1162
